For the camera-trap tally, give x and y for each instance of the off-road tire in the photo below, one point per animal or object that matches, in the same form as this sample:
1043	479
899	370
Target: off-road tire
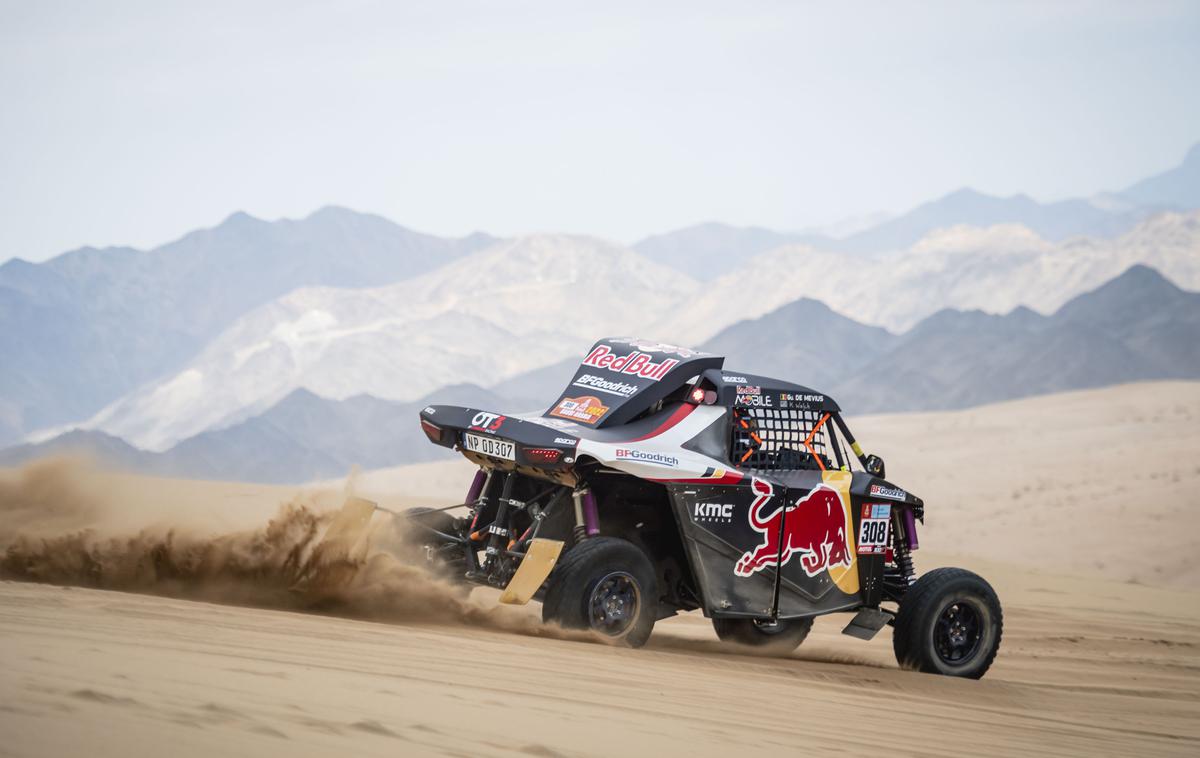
923	637
784	639
578	576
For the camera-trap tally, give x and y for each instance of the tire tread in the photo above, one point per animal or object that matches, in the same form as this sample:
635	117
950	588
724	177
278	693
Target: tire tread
917	605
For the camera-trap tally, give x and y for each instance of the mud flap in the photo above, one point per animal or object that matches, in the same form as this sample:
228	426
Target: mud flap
535	567
866	623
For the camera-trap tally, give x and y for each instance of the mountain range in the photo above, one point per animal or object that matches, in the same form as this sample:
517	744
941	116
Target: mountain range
528	303
157	349
709	250
487	317
88	326
1138	326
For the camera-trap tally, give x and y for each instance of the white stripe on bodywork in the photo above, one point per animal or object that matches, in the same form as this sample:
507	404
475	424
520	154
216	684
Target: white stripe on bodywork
669	444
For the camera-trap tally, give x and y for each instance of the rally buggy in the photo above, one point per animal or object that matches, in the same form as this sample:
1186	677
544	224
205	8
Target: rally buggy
659	482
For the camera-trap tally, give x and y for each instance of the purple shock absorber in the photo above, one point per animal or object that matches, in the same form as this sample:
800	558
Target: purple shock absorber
910	529
476	487
591	518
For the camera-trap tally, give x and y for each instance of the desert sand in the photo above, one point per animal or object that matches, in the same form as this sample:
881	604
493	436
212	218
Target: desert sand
1081	509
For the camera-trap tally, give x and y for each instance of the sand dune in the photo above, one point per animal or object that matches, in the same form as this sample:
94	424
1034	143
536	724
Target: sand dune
1071	505
1087	669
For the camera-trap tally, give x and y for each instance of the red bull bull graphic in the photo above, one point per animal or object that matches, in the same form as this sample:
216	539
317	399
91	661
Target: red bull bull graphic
815	529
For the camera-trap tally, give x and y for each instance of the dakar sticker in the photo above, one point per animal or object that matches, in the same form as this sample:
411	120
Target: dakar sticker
585	410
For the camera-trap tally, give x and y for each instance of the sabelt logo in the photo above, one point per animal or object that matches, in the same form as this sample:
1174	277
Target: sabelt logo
585	410
636	363
642	456
591	381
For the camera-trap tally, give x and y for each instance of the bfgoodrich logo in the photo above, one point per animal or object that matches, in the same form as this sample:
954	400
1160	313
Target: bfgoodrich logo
641	456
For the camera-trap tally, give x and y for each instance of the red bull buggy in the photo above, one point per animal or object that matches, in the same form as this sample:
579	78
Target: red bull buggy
660	482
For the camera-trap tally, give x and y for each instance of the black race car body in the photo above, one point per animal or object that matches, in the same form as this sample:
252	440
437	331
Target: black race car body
748	497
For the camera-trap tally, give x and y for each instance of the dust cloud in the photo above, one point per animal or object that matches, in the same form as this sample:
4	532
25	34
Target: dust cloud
56	527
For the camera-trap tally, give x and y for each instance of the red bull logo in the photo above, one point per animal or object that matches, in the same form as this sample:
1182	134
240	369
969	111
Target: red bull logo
636	363
815	530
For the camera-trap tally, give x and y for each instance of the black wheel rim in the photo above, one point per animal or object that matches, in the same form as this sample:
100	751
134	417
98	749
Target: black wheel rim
958	632
614	603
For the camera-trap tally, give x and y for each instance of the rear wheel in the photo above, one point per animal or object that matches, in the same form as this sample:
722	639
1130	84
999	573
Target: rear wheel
607	585
767	636
949	623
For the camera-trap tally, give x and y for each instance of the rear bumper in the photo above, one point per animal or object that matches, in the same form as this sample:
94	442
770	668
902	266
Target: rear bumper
533	446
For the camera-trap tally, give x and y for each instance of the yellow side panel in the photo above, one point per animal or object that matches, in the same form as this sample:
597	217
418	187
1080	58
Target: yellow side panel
846	578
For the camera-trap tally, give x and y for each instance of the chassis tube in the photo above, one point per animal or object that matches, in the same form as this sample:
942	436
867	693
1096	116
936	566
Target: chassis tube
845	430
498	531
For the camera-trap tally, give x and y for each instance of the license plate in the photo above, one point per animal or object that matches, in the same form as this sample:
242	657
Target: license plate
490	446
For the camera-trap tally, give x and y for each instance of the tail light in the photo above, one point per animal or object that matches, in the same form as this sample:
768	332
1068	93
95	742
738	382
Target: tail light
432	430
543	454
701	396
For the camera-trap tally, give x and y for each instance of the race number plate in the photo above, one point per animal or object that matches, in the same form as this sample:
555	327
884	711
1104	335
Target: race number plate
490	446
875	529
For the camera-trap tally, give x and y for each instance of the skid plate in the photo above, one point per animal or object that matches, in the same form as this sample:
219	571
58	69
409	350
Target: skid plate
534	568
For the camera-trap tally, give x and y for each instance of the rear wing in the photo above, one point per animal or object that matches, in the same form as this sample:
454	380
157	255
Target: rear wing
622	377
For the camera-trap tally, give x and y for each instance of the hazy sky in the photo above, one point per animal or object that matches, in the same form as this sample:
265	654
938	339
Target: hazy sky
132	123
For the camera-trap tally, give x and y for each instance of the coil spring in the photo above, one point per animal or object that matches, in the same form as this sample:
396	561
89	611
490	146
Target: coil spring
904	562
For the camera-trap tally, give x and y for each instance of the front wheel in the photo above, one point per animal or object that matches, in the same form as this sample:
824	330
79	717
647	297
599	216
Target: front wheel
949	623
768	636
607	585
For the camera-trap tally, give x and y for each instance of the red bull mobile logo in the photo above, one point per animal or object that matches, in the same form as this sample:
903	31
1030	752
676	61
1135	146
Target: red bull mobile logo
815	530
